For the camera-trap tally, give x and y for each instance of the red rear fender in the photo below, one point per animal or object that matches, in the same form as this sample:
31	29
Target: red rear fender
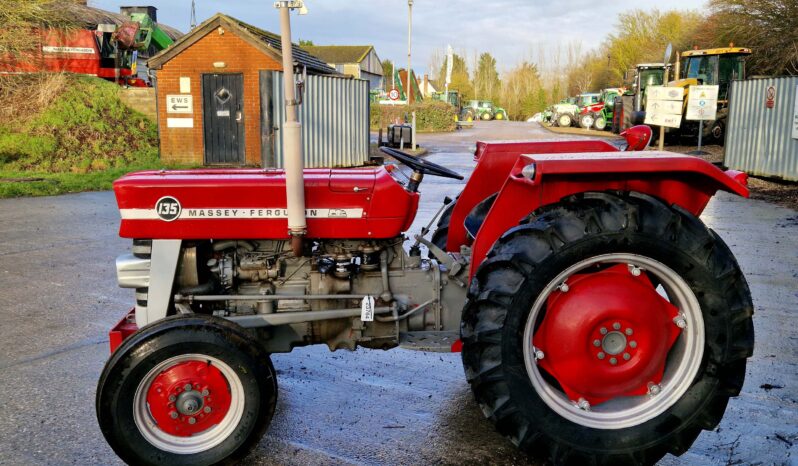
494	161
682	180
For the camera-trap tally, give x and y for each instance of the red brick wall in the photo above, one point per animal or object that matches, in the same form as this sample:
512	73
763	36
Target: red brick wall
185	145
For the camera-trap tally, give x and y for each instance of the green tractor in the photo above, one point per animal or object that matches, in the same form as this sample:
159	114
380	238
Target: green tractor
485	110
464	115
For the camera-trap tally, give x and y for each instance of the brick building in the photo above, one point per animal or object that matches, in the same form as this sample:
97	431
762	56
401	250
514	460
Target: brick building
212	86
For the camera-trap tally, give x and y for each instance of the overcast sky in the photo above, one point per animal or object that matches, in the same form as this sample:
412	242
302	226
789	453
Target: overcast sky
510	30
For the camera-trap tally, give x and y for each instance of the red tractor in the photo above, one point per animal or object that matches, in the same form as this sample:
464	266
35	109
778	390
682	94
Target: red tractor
600	321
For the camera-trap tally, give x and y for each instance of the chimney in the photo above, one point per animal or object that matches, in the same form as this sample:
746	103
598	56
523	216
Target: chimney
426	85
151	11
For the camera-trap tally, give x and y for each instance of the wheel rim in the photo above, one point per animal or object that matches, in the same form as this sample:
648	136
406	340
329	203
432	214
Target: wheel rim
188	404
601	123
645	380
587	122
564	121
717	131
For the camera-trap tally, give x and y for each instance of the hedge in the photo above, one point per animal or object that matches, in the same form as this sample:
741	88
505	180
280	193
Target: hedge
431	116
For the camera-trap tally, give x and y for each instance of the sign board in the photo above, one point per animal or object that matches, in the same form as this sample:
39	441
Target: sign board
179	104
795	116
770	97
664	106
185	85
449	64
702	103
179	122
394	94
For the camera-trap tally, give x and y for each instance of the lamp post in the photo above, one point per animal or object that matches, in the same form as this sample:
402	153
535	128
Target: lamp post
292	132
409	47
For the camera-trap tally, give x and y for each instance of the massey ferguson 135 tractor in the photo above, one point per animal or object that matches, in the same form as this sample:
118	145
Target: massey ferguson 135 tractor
600	321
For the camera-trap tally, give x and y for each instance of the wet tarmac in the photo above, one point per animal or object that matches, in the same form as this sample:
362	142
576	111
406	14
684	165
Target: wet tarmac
58	298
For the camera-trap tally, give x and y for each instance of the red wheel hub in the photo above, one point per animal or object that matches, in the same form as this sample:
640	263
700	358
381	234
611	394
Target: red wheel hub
606	334
188	398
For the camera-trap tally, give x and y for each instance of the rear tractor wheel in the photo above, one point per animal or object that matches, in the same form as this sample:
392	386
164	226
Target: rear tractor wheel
600	122
586	121
186	391
607	329
564	120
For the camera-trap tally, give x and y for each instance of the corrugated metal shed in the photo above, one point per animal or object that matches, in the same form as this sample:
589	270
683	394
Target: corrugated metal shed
335	121
760	139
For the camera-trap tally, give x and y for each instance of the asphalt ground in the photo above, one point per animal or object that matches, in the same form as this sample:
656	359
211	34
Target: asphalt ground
58	298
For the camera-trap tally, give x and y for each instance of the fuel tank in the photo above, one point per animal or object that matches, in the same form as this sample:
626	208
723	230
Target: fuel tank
358	203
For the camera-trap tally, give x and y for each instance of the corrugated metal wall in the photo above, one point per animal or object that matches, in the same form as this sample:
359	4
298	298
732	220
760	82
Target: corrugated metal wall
759	139
335	121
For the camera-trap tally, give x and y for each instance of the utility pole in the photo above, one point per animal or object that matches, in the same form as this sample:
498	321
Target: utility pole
292	132
409	47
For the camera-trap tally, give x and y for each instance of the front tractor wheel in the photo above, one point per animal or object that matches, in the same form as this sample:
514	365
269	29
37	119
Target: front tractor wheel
186	391
607	329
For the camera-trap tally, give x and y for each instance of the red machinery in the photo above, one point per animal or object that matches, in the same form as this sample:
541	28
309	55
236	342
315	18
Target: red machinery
597	316
80	51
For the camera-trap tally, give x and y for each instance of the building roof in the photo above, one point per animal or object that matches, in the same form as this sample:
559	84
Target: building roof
340	54
92	17
265	41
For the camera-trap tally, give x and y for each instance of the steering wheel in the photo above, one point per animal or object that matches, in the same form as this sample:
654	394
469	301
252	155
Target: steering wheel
420	165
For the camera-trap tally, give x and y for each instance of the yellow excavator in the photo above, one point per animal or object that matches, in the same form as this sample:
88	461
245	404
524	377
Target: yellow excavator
710	67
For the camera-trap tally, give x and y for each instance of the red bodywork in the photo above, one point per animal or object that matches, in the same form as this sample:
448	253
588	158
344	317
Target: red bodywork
593	108
75	51
683	180
250	204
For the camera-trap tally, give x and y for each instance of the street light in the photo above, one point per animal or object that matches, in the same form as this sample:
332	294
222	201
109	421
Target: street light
409	46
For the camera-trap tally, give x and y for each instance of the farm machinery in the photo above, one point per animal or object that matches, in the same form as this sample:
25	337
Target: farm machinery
485	110
599	114
630	108
599	320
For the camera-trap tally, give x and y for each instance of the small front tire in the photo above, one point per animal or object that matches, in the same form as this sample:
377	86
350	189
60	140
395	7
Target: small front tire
192	390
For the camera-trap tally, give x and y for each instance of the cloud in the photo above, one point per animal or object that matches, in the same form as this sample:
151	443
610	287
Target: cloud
510	30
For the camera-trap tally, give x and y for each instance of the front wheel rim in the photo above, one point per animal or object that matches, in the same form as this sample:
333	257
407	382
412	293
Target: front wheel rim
683	358
192	441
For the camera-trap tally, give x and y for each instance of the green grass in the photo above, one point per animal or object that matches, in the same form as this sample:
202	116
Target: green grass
51	184
82	141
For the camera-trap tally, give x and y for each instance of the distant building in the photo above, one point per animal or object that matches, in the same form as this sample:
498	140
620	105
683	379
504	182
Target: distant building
358	61
220	100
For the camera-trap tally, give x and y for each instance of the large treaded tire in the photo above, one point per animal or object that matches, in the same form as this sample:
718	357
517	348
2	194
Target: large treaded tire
168	338
529	256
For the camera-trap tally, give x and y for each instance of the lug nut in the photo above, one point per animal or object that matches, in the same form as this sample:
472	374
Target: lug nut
633	344
207	409
596	343
603	331
653	389
173	414
205	392
629	331
627	356
616	326
192	420
635	271
172	398
583	404
601	355
539	354
613	361
680	322
564	287
187	387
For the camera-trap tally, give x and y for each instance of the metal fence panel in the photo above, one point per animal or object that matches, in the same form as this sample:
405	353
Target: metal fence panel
335	121
759	139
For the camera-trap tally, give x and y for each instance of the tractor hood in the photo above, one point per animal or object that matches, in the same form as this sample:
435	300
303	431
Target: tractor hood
251	203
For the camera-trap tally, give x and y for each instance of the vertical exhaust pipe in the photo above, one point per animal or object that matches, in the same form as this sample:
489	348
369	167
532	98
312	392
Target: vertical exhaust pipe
292	135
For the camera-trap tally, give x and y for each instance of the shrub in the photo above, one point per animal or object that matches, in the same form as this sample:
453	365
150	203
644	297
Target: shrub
431	116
